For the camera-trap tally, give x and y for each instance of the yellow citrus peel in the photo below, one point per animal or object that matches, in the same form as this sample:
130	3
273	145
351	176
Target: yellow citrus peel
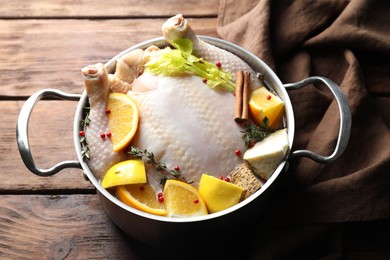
123	173
219	194
263	103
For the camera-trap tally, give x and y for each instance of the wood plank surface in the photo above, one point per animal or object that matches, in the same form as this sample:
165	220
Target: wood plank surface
76	227
38	54
44	44
101	8
59	227
51	141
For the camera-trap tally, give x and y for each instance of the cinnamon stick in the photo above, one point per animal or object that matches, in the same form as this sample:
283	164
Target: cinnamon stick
238	99
241	111
245	96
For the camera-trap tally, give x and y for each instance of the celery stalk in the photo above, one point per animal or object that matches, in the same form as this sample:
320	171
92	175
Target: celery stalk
180	61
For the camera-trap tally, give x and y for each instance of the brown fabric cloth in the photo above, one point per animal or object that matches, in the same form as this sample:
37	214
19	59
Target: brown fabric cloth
348	42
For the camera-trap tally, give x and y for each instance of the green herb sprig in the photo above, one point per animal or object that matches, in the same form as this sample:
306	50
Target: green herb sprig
254	133
85	152
138	153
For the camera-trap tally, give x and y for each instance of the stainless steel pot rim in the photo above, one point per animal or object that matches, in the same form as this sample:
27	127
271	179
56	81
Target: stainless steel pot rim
271	79
120	213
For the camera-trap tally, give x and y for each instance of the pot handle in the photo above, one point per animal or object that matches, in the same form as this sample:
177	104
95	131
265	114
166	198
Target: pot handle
345	119
22	132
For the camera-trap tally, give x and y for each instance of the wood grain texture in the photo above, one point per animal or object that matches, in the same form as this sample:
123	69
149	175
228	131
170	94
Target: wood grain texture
39	54
51	141
59	227
101	8
44	44
76	227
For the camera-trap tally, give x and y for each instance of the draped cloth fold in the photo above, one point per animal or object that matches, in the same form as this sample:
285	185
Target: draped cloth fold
349	43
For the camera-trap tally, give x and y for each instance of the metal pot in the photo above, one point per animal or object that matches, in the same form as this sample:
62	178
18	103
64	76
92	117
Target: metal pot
158	230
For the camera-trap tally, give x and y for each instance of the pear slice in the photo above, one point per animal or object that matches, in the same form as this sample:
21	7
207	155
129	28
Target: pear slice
265	156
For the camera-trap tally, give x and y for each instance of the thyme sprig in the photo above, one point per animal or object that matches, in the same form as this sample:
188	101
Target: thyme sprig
84	148
86	121
254	133
85	152
138	153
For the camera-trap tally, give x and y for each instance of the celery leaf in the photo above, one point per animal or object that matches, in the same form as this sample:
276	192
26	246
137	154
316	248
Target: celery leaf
180	61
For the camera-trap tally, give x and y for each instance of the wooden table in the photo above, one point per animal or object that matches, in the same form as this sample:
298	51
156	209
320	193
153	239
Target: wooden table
44	44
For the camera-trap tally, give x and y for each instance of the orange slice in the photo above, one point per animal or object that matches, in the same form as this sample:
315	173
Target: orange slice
123	119
124	173
183	200
263	103
142	197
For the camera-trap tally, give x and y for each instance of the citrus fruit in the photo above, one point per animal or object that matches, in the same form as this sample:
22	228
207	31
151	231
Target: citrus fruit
142	197
123	173
266	155
218	194
123	119
183	200
263	103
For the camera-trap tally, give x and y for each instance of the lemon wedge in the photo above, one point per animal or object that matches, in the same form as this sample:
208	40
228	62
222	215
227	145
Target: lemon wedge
263	103
123	173
218	194
183	200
